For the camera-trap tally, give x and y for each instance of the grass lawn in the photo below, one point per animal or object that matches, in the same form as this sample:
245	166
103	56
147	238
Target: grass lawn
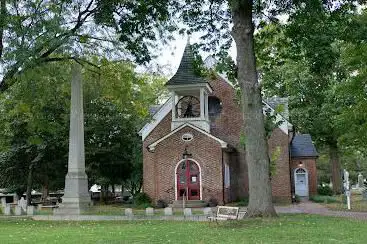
285	229
357	204
116	209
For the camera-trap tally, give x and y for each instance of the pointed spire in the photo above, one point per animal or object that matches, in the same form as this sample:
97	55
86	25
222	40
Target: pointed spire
186	71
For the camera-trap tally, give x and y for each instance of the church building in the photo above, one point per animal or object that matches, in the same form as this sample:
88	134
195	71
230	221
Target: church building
192	148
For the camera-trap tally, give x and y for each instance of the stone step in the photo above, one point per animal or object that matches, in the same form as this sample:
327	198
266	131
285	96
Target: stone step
189	204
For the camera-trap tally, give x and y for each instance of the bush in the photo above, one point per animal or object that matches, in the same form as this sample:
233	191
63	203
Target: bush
296	199
142	198
161	204
323	199
242	202
324	190
213	202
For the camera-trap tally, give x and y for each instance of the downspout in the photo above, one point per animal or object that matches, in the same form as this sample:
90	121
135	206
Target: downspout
223	175
293	197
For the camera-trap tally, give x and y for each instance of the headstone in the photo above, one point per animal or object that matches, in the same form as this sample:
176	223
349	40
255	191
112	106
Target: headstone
23	204
7	210
76	197
208	211
30	210
149	211
347	187
360	180
15	198
18	210
39	207
168	211
187	212
129	212
3	202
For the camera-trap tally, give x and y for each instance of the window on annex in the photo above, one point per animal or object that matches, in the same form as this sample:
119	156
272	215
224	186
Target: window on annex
227	177
214	107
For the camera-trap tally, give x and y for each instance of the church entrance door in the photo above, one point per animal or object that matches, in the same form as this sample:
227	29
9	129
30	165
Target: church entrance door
188	180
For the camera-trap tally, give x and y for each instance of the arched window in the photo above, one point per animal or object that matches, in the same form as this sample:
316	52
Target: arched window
300	171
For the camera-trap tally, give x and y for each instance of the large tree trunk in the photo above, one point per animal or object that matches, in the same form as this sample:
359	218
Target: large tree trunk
257	158
29	184
335	168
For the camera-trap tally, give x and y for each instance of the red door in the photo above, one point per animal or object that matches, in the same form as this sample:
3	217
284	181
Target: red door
188	180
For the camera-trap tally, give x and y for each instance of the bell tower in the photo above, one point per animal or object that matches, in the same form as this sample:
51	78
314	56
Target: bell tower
189	93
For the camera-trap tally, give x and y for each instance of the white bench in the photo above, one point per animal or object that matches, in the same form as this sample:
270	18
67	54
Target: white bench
225	213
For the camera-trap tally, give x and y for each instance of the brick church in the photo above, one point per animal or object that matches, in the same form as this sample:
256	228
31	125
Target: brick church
192	149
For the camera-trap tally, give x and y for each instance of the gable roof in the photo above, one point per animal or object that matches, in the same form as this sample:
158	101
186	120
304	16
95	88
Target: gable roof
302	146
222	143
186	71
275	102
157	118
180	78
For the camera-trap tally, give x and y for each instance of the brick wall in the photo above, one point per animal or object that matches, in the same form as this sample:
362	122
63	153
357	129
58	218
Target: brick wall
310	165
159	167
159	181
280	180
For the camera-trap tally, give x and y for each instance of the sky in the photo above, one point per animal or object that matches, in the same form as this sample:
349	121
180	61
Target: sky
171	55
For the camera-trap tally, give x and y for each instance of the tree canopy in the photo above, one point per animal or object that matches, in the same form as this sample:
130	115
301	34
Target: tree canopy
35	124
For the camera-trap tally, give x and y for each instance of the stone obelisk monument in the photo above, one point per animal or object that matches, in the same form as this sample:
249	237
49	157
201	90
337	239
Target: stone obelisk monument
76	197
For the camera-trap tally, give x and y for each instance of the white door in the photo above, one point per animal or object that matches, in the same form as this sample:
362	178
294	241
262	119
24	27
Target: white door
301	182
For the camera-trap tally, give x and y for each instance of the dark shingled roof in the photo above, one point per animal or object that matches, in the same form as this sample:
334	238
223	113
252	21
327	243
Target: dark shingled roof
302	146
185	73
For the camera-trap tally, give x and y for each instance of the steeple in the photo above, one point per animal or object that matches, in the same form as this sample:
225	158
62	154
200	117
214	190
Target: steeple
189	92
186	71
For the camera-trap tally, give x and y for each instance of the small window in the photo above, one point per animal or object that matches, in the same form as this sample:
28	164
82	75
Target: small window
227	179
187	137
214	107
300	171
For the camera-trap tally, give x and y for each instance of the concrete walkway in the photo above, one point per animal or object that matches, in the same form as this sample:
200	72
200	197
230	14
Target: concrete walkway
315	208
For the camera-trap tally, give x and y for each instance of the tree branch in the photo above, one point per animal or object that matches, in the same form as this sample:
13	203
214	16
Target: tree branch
58	42
76	59
2	24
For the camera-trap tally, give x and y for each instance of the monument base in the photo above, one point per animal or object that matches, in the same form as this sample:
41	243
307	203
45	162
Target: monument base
76	199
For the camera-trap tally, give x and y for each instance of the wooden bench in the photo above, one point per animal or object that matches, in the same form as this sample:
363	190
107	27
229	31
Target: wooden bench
225	213
49	206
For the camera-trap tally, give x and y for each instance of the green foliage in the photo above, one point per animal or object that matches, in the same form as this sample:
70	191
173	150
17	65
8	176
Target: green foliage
271	122
242	202
273	160
39	32
161	203
323	199
297	198
243	139
36	124
35	129
325	190
142	199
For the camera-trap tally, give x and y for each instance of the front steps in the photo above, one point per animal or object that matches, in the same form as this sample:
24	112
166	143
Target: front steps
189	204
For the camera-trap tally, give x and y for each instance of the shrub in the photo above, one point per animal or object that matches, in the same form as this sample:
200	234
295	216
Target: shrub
296	199
242	202
324	190
142	198
161	203
213	202
323	199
